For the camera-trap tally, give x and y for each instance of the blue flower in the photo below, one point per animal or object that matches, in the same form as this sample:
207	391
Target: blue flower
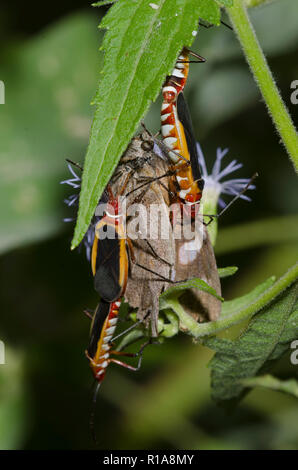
214	186
73	201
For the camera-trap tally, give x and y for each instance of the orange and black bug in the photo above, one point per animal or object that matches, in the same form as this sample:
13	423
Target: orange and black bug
109	259
111	252
178	135
100	348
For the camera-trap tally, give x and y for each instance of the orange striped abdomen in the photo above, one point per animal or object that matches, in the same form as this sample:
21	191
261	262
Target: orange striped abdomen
100	361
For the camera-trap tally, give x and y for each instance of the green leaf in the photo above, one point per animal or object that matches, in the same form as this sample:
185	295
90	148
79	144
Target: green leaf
178	289
210	12
253	352
46	119
141	45
102	3
268	381
228	271
226	3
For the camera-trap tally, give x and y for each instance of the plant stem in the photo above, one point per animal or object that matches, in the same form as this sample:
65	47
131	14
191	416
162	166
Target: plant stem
258	64
210	328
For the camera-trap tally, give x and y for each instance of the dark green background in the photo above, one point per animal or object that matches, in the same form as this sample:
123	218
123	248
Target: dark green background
49	62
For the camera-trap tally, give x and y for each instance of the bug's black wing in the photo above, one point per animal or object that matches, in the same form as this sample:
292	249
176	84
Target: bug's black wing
106	279
99	318
185	119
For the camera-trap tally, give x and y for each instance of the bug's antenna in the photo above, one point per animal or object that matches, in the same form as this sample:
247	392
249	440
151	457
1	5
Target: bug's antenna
74	164
227	25
200	59
212	25
92	414
233	200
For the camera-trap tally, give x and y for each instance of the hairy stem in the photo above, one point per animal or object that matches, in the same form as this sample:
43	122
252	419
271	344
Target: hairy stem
258	64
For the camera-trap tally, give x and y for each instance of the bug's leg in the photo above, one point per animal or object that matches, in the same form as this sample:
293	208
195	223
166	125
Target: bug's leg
127	330
133	260
138	198
149	181
137	354
127	366
155	255
125	183
89	313
137	323
162	278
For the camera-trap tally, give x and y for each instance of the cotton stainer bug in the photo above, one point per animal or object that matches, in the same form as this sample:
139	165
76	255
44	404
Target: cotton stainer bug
100	348
109	259
178	136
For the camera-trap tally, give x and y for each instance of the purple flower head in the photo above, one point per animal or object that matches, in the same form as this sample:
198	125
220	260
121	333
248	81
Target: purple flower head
213	181
73	201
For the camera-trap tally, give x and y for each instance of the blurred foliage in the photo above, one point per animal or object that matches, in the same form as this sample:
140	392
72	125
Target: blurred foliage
14	402
42	79
49	65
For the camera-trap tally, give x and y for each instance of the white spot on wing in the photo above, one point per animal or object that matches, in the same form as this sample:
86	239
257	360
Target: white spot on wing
188	252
